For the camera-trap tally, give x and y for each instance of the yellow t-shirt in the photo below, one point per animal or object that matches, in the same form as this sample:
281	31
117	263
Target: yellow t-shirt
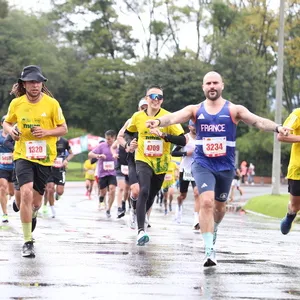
152	149
48	115
170	177
90	173
293	121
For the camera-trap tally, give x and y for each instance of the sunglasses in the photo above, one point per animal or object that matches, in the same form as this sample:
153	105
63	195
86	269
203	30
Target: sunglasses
155	96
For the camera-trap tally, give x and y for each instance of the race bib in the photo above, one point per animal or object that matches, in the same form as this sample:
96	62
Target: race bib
214	146
91	172
124	169
6	158
58	162
108	165
153	147
36	149
168	177
187	176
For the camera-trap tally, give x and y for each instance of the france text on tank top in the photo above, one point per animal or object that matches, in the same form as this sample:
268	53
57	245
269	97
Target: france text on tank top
215	139
6	158
186	161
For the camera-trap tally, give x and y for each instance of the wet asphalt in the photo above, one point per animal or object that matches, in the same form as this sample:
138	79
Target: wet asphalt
81	254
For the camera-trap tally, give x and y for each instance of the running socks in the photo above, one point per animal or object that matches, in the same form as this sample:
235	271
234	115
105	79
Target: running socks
27	232
208	242
133	202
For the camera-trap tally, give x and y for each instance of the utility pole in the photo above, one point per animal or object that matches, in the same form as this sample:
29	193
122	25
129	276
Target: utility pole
276	166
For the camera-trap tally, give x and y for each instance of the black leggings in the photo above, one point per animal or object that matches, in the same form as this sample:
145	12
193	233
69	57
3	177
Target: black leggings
150	183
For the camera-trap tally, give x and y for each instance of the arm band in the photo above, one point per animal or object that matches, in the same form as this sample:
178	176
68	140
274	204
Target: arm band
176	139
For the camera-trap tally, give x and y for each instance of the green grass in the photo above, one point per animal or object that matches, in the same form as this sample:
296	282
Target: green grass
75	171
270	205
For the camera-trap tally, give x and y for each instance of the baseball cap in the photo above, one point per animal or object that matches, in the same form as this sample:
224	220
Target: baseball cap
142	102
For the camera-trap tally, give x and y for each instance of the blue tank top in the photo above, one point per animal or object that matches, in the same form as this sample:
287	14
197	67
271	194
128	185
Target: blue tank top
5	155
215	139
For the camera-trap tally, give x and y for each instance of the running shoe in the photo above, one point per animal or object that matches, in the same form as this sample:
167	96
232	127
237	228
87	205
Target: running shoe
210	259
121	212
178	215
33	223
101	206
286	223
196	227
45	209
28	249
5	218
15	207
56	196
166	212
142	238
108	215
132	219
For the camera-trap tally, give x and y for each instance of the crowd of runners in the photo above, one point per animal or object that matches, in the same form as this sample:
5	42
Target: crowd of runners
136	165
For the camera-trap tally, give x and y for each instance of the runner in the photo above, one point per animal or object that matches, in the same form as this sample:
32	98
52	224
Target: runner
56	182
132	176
293	175
120	154
6	173
40	121
185	175
89	167
169	185
236	184
214	158
106	172
153	154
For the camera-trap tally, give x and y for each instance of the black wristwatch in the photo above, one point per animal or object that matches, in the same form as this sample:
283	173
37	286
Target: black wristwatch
276	128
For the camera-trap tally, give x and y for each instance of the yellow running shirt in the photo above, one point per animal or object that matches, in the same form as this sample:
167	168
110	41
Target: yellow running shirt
293	121
152	149
48	115
90	169
170	177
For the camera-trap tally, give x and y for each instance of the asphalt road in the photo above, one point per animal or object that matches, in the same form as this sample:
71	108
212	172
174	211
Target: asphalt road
82	255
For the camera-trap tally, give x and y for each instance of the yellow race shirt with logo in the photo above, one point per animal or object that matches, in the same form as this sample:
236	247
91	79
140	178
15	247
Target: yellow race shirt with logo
170	177
46	114
152	149
90	169
293	122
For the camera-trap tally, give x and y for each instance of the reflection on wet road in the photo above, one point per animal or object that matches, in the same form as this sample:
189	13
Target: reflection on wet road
82	255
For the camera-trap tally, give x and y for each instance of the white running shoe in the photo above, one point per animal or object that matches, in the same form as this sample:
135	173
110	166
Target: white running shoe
210	259
142	238
132	219
178	214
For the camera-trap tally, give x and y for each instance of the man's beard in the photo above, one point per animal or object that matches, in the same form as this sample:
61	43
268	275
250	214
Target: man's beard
213	98
36	95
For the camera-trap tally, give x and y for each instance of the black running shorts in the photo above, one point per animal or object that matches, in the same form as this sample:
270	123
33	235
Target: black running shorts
6	174
57	176
294	187
28	171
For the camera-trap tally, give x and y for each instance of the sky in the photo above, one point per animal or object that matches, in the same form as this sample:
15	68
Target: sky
186	31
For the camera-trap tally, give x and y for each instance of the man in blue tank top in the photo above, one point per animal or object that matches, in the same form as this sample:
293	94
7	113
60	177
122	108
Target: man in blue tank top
214	158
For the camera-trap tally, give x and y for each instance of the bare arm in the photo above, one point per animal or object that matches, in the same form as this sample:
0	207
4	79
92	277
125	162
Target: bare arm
60	130
120	137
291	138
243	114
180	116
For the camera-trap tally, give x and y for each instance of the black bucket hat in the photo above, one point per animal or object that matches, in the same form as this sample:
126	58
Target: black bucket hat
3	119
32	73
